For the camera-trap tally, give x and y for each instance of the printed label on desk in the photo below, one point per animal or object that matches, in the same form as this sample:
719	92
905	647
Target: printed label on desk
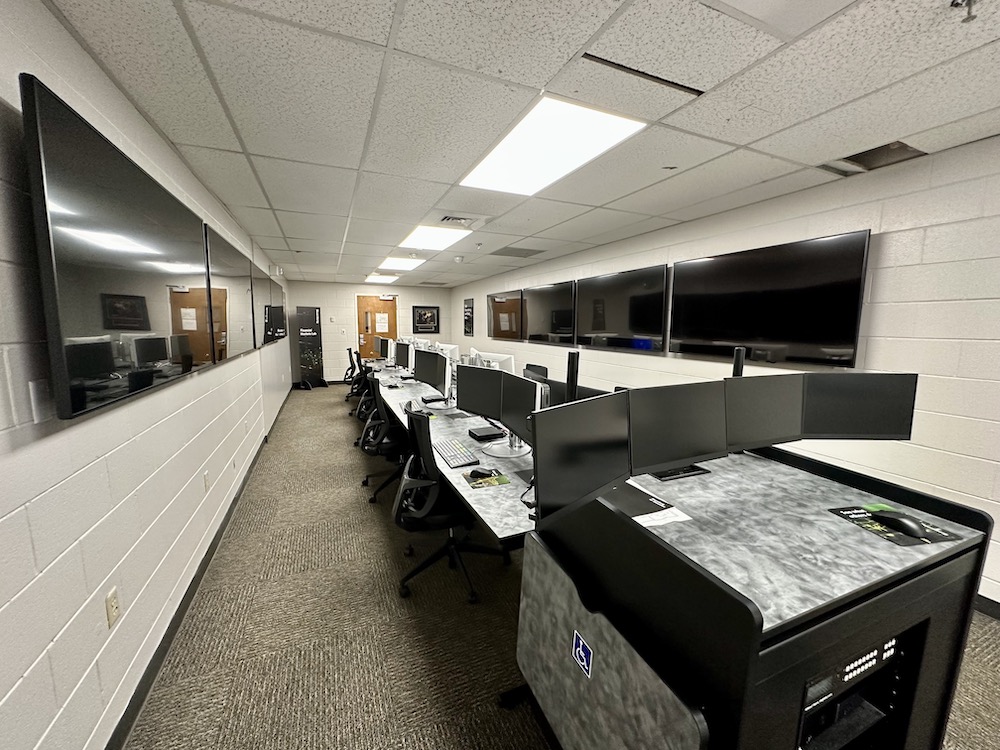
661	517
862	517
582	653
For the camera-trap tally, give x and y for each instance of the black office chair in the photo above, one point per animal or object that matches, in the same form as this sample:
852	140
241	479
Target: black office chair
382	436
426	502
359	382
352	367
140	379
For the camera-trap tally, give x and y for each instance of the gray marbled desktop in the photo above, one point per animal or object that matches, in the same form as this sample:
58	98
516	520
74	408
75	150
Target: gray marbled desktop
624	703
765	529
499	508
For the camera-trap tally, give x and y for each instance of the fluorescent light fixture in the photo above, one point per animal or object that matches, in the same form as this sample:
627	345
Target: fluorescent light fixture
552	140
377	278
434	238
110	241
400	264
176	267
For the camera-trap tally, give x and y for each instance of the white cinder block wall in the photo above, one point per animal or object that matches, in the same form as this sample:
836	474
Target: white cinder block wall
932	307
117	498
339	301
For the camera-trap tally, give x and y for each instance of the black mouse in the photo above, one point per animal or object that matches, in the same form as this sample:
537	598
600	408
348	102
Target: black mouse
481	473
900	522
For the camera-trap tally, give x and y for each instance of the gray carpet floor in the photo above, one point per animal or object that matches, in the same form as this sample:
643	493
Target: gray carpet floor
297	638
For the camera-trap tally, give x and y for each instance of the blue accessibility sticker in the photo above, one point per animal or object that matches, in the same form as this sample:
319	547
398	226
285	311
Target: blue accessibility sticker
582	653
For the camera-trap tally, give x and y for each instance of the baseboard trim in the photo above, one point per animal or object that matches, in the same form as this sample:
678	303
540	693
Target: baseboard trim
987	606
125	724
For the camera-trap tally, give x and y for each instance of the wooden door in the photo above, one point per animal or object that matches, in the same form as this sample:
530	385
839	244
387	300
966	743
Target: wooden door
220	323
376	317
189	317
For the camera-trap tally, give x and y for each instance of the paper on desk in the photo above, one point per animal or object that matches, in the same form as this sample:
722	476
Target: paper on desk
659	517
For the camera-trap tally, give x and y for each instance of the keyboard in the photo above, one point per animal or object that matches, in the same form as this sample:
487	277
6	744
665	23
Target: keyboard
455	454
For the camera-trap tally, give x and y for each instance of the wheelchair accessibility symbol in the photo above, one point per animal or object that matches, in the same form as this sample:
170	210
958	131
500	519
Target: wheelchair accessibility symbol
582	654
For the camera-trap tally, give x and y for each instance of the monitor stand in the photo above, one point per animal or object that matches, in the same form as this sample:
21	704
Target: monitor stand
448	403
513	448
682	471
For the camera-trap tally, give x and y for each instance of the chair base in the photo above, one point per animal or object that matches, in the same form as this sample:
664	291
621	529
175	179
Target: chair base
452	549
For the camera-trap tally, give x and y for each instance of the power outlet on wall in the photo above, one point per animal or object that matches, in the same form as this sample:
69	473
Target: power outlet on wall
112	606
207	483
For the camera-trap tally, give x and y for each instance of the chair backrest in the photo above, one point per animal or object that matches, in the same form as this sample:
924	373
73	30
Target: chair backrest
420	488
419	429
379	420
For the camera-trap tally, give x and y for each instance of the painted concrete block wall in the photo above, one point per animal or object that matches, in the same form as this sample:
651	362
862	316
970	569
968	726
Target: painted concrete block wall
339	301
932	307
129	497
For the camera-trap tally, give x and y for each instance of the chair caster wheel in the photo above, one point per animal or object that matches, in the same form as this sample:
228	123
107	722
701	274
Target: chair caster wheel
364	482
357	442
473	598
373	500
408	552
404	591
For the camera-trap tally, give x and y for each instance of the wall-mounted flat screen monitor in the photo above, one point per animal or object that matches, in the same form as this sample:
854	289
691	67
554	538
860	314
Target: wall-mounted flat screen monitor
624	310
549	313
403	355
504	315
432	368
479	390
232	298
112	244
763	410
797	302
519	398
673	426
580	450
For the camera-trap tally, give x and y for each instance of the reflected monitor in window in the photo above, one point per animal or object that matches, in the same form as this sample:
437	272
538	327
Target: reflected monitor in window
150	350
180	345
673	426
90	361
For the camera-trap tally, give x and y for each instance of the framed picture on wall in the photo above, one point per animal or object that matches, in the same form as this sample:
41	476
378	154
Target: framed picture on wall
124	312
426	319
467	317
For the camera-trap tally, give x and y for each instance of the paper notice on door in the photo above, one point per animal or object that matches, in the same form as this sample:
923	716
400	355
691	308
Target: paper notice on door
189	319
381	322
504	321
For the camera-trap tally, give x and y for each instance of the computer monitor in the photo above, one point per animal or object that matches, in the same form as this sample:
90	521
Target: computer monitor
451	351
384	346
377	346
93	360
673	426
497	361
520	398
479	390
580	449
150	350
557	389
432	368
180	345
537	370
403	354
763	410
422	343
863	405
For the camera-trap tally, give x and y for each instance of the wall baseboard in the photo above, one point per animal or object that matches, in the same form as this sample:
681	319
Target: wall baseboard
124	727
987	606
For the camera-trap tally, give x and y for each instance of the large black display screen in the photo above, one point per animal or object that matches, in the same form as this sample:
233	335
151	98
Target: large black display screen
548	313
623	310
121	260
798	302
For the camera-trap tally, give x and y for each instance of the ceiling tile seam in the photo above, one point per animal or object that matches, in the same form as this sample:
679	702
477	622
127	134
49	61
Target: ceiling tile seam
262	15
464	71
397	19
639	217
642	74
923	71
72	31
611	20
214	83
993	110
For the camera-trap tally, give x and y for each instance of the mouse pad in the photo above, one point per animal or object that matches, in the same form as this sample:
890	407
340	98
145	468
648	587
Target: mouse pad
494	480
862	517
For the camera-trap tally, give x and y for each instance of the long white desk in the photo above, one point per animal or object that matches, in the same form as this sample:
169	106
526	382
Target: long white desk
499	508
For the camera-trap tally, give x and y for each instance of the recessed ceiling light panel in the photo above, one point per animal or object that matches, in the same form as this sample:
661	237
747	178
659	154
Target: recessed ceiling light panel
434	238
377	278
552	140
400	264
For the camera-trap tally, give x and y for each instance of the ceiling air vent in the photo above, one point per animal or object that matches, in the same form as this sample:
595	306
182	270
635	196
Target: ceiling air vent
876	158
463	220
433	283
516	252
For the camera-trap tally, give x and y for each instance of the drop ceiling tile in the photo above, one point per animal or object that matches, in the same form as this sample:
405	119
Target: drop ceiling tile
374	251
293	93
452	269
635	164
790	183
534	215
479	243
315	246
593	222
953	134
271	243
782	19
284	257
314	259
390	198
158	66
355	263
497	261
256	220
364	19
227	174
561	252
874	44
518	41
682	41
632	230
309	188
312	226
936	97
350	278
483	202
543	244
732	171
613	90
434	123
368	232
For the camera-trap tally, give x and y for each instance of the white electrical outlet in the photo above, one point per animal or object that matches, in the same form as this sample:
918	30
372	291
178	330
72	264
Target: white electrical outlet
246	426
207	483
111	606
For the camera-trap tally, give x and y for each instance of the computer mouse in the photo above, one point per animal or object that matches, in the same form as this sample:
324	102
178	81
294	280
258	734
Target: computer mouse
481	473
900	522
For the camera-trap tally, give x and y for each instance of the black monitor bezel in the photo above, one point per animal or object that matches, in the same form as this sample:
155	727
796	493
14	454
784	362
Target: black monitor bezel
464	372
